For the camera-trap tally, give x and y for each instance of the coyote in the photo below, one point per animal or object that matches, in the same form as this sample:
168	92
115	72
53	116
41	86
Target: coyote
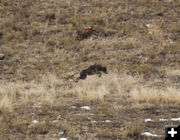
91	70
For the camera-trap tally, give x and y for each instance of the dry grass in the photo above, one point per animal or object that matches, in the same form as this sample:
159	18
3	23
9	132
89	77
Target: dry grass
156	96
125	85
138	42
50	92
5	110
50	87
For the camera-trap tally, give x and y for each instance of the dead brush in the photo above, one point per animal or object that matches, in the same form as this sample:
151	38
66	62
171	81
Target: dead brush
133	130
147	70
39	128
86	33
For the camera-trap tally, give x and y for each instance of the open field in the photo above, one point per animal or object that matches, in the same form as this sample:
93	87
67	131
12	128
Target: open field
138	41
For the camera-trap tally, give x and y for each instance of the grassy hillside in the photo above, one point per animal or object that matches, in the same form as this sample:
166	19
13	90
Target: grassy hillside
139	43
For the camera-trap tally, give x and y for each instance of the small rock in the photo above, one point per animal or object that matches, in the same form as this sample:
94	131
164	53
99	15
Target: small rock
168	0
61	132
148	25
73	107
54	121
93	121
59	117
2	56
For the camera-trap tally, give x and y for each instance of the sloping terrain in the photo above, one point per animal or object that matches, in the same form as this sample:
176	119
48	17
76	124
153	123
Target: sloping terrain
138	41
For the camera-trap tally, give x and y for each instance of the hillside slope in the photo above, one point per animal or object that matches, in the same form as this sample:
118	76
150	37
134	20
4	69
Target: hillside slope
137	40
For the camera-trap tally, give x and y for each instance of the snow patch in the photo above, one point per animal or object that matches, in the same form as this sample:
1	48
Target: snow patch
63	139
175	119
149	134
34	121
148	120
107	121
163	120
85	107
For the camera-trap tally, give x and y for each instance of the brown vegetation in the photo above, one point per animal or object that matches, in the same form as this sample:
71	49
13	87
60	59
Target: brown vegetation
136	40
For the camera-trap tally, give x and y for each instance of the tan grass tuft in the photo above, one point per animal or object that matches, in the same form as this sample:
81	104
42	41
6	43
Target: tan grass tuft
151	95
5	105
134	129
